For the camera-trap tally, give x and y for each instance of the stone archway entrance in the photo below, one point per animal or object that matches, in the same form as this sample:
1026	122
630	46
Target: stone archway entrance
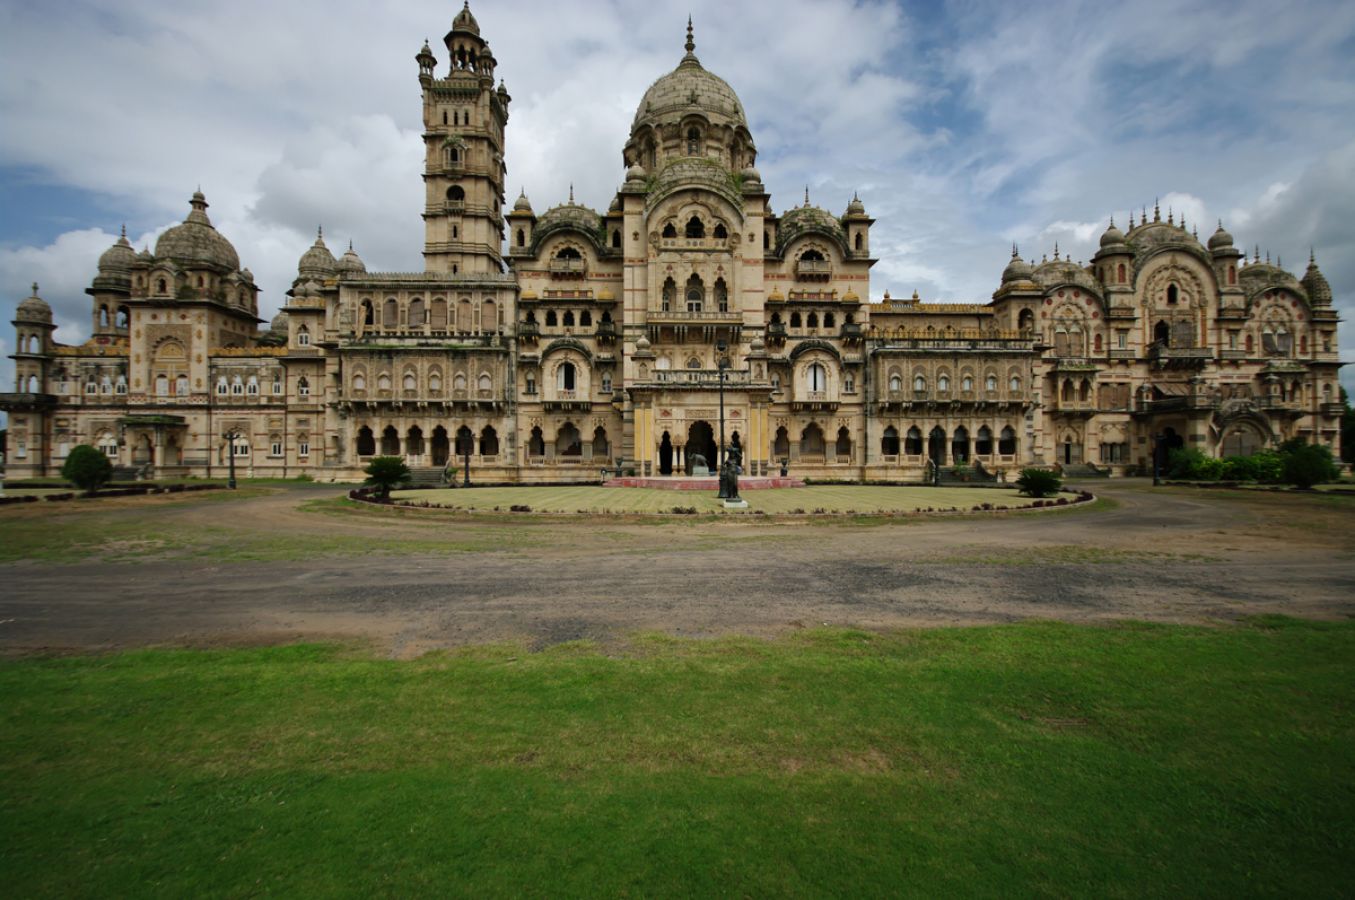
936	446
440	446
701	439
666	455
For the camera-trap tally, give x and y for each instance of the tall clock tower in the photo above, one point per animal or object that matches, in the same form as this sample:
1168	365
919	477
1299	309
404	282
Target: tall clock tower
464	116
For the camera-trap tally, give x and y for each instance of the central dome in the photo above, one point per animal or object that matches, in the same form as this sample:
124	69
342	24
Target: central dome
689	88
195	242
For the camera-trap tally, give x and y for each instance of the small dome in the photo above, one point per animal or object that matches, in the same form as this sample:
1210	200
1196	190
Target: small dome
1113	236
615	204
1220	239
642	343
752	174
247	276
317	262
1018	269
118	257
350	263
279	323
195	242
635	173
33	309
856	207
757	345
464	21
522	204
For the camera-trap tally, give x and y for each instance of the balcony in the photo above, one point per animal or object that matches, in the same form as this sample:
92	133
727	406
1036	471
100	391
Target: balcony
1180	357
1333	410
813	401
851	332
606	331
529	330
701	316
813	268
702	378
455	207
566	266
776	331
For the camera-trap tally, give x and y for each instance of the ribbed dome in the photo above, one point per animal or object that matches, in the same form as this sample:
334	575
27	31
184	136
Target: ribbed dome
1018	269
856	207
464	21
279	323
120	257
317	262
689	88
1315	283
1220	239
351	263
196	243
522	204
33	309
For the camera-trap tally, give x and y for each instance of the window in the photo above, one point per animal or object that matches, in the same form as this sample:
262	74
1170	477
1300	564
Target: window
776	381
669	231
607	383
943	384
383	382
531	385
105	385
896	382
485	383
568	318
22	450
817	377
275	449
720	231
696	294
1006	444
919	383
693	143
237	385
92	387
240	448
435	383
221	385
849	384
1173	296
696	228
1122	339
795	320
1015	384
303	336
303	447
889	442
669	294
566	377
912	444
277	386
585	319
983	444
967	383
122	384
303	387
721	295
409	381
180	386
161	386
253	387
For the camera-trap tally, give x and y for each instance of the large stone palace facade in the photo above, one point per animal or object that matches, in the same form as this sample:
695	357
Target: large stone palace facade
543	347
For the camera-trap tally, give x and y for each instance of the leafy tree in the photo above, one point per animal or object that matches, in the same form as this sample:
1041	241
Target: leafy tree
1307	464
87	468
385	472
1038	483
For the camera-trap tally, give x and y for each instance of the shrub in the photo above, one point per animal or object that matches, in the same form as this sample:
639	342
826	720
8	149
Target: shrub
1193	464
1038	483
1307	464
385	472
87	468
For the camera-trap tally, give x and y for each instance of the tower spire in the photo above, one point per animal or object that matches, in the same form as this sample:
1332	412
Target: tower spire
691	44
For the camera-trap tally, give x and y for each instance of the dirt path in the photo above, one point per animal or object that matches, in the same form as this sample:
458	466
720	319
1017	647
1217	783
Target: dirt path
1167	555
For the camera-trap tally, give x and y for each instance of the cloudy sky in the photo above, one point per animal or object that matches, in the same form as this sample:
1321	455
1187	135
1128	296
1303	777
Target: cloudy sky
964	126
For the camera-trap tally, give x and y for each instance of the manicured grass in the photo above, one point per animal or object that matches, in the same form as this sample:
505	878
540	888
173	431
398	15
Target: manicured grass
1039	758
815	498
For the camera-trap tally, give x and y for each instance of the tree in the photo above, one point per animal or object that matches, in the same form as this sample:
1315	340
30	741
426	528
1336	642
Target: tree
1307	464
1038	483
87	468
385	472
1347	428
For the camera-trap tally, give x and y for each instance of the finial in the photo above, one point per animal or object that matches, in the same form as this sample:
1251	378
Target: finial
1279	261
1131	220
806	195
350	245
124	229
319	232
35	289
1169	215
691	44
1112	221
1267	257
1056	251
571	193
1157	211
522	191
1220	224
1195	232
1016	254
1312	256
1256	254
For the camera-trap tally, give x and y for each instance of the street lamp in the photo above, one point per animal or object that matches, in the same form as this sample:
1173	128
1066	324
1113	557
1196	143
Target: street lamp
722	363
1157	458
231	437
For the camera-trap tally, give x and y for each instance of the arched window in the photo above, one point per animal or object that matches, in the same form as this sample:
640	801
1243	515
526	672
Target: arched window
943	384
409	381
164	288
568	441
859	242
795	320
720	232
416	313
121	386
696	294
828	320
122	318
817	377
522	238
1025	321
616	239
693	144
161	385
669	231
1015	384
180	385
1162	333
843	446
696	228
990	383
435	383
359	382
456	194
569	318
485	383
1172	295
489	441
252	388
1096	342
912	444
459	381
983	445
669	294
721	295
551	319
565	376
303	336
390	441
1120	273
889	443
812	320
368	314
967	383
237	385
221	385
600	446
919	383
781	445
390	314
896	382
536	443
959	446
585	319
103	316
383	382
366	442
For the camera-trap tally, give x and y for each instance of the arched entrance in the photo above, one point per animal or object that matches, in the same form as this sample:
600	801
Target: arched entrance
701	439
440	446
936	446
666	455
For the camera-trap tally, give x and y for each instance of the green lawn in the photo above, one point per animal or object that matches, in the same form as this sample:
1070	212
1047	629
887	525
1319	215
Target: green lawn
1029	759
816	498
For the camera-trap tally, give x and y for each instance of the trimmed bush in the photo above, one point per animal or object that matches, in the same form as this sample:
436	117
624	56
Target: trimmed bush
1307	464
1038	483
87	468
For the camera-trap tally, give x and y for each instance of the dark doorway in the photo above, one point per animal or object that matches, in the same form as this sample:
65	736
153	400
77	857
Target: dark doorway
666	455
440	446
701	439
936	446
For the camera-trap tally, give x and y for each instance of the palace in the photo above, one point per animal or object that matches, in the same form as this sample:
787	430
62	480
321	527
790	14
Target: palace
541	348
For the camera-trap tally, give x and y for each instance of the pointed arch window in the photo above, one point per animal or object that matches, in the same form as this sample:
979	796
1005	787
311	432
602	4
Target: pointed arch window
696	294
721	295
669	294
695	227
693	141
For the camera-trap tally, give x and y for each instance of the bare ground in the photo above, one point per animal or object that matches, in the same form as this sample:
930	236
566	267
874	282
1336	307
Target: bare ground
1165	554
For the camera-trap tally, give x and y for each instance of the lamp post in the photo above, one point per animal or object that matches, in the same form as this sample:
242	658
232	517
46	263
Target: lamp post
465	478
721	364
231	437
1157	459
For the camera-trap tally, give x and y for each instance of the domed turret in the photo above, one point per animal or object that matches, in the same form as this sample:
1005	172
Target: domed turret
856	207
351	263
118	258
1017	270
1220	239
33	309
522	205
279	323
465	22
1315	283
196	243
1113	237
317	262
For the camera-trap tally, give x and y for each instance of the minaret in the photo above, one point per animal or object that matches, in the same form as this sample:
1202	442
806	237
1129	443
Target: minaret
464	116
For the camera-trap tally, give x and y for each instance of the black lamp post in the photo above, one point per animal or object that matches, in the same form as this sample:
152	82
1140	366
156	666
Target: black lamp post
231	437
722	363
1157	459
465	478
